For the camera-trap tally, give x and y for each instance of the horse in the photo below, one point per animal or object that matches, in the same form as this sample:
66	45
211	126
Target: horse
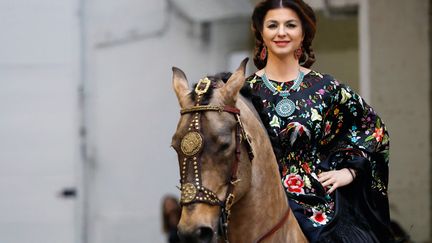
230	183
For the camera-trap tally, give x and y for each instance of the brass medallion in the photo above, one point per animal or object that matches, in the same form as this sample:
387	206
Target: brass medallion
188	193
191	143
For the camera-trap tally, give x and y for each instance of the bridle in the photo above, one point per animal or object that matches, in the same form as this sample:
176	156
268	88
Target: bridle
192	144
192	190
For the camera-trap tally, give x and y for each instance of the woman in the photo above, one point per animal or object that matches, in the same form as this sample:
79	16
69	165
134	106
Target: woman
331	147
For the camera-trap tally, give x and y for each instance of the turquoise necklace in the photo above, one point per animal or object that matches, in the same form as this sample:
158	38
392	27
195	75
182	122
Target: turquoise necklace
285	107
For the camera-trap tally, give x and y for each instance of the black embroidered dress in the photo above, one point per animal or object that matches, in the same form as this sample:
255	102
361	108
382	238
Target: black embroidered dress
331	128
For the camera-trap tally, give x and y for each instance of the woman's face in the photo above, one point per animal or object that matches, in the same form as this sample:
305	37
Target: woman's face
282	32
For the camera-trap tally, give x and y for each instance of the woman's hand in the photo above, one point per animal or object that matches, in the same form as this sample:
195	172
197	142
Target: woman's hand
336	178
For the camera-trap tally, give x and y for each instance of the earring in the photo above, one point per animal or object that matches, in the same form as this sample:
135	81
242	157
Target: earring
298	53
263	53
305	59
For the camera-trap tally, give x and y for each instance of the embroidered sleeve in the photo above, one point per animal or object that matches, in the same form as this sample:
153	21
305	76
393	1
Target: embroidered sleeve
354	136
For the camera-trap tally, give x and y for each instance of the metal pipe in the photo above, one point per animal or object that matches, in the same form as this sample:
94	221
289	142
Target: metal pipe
82	204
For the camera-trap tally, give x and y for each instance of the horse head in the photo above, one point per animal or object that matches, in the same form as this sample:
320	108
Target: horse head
214	164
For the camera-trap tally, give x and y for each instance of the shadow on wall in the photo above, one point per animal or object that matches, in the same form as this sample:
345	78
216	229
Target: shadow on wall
400	234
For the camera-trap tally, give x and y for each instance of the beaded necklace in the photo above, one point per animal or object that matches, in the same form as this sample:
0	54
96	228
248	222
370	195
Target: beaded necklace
285	107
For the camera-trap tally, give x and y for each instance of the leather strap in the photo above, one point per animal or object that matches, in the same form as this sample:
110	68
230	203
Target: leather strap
276	227
200	108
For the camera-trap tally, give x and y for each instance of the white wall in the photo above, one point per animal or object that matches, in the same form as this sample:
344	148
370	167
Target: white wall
39	73
134	112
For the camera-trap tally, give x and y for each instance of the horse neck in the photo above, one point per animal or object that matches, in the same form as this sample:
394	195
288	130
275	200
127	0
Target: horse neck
265	201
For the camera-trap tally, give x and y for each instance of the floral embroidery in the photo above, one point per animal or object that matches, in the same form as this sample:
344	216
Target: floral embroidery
329	119
336	112
294	183
315	116
275	122
327	128
319	218
345	96
306	168
252	82
307	182
295	130
378	134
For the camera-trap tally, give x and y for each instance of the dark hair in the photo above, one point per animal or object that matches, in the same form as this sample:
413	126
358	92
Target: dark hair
308	20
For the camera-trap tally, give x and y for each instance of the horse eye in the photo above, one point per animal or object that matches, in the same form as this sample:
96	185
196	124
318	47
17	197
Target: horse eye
224	146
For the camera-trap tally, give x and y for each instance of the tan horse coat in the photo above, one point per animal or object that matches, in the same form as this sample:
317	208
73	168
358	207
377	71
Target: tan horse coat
260	198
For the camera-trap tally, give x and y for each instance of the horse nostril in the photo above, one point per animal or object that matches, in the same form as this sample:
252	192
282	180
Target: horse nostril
186	238
204	234
200	235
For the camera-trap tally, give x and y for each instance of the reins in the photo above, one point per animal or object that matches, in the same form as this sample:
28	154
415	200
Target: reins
276	227
192	190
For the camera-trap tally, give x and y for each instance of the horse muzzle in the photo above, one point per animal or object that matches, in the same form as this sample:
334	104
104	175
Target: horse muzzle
198	223
199	235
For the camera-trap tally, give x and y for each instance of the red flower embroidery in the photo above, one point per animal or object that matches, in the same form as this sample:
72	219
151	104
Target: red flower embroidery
284	171
319	217
306	168
327	128
294	183
378	134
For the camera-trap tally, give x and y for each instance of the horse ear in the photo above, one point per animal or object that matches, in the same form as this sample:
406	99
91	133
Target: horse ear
180	86
235	82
